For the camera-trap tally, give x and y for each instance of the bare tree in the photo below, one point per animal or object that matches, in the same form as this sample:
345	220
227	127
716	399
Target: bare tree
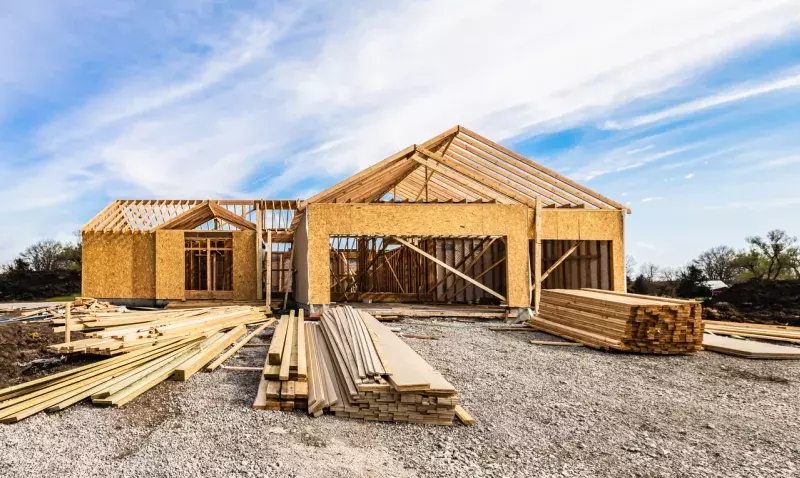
45	255
649	271
630	265
718	263
670	274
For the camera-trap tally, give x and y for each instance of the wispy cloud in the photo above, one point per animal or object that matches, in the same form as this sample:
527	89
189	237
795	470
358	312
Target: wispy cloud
689	176
696	106
654	198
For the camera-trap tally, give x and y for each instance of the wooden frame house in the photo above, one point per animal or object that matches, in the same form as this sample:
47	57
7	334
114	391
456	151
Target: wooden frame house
456	219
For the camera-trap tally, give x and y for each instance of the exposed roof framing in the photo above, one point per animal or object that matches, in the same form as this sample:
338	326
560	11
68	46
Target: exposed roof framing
132	215
460	165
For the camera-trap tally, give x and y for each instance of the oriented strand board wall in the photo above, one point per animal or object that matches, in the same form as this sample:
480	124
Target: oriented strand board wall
244	265
170	264
587	224
118	266
509	220
300	287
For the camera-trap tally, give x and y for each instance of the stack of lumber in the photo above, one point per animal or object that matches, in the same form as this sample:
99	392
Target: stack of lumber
116	333
618	321
358	368
284	384
117	380
777	333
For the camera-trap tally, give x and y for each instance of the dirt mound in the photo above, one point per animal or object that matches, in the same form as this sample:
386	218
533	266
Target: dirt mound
767	302
24	355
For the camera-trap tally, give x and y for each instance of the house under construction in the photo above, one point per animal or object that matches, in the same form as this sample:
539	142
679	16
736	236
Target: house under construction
457	219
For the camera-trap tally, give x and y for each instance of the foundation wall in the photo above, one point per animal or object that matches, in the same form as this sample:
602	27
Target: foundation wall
454	220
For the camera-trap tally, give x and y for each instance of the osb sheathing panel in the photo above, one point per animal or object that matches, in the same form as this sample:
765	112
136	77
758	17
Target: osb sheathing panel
587	224
118	266
170	263
244	265
509	220
300	245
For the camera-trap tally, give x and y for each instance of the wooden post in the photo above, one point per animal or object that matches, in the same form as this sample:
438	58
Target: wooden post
259	253
208	266
268	292
67	322
537	256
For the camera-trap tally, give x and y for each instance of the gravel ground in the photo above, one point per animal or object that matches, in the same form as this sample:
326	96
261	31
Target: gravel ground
541	411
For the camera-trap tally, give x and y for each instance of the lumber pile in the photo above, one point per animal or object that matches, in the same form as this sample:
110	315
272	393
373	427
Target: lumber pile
777	333
113	333
357	368
117	380
284	383
80	307
618	321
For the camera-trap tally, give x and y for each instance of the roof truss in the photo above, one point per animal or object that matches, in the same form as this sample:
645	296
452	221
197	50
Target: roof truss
462	166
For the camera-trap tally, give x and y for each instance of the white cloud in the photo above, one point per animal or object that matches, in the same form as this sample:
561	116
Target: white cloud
648	246
319	90
654	198
689	176
696	106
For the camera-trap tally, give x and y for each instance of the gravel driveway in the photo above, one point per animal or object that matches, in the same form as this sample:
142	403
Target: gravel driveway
541	411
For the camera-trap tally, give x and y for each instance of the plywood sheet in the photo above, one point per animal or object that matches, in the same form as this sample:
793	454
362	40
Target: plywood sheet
300	245
169	252
244	265
749	348
118	266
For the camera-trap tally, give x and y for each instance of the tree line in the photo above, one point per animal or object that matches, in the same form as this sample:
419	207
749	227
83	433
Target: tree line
45	269
775	256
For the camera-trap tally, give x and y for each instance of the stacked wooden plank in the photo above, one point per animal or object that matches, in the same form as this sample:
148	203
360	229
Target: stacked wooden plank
358	368
284	384
777	333
619	321
117	380
115	333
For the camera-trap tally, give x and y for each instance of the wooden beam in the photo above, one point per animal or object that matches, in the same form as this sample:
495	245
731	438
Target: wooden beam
447	267
67	322
560	260
216	363
537	256
268	292
259	254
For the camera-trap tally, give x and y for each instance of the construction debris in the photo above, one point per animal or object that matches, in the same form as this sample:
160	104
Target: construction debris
618	321
356	368
81	306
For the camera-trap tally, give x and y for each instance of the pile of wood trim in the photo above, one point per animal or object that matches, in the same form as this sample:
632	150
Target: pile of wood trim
116	333
117	380
284	383
618	321
357	368
750	349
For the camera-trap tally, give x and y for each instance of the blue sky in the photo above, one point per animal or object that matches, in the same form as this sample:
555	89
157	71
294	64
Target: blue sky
689	111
